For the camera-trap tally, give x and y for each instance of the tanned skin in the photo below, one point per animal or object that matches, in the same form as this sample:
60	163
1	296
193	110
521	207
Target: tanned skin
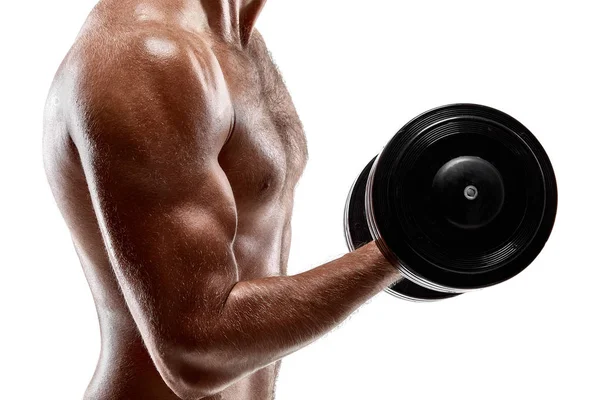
173	150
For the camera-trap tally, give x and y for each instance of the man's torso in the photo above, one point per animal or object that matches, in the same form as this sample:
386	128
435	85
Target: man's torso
263	160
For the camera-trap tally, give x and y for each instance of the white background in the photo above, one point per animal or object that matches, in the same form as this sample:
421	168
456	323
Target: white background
357	70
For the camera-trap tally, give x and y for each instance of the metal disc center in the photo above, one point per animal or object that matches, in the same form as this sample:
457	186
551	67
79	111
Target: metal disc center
471	192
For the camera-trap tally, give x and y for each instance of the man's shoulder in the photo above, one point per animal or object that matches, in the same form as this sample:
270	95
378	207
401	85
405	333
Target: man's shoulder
144	64
143	77
142	54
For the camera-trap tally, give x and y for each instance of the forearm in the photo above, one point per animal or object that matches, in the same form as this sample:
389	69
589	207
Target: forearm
265	319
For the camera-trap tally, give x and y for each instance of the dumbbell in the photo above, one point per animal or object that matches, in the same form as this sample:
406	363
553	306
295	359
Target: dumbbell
463	197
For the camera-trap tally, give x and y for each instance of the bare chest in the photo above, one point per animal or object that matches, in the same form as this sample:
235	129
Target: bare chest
267	151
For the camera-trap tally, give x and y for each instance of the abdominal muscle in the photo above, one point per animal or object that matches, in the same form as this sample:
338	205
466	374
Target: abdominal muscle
125	369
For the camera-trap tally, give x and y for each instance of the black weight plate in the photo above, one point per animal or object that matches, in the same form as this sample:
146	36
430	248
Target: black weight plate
464	196
357	235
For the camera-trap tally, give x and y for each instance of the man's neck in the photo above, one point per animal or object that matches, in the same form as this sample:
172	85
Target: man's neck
233	19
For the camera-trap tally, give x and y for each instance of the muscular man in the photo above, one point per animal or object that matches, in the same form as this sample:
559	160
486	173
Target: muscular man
173	149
